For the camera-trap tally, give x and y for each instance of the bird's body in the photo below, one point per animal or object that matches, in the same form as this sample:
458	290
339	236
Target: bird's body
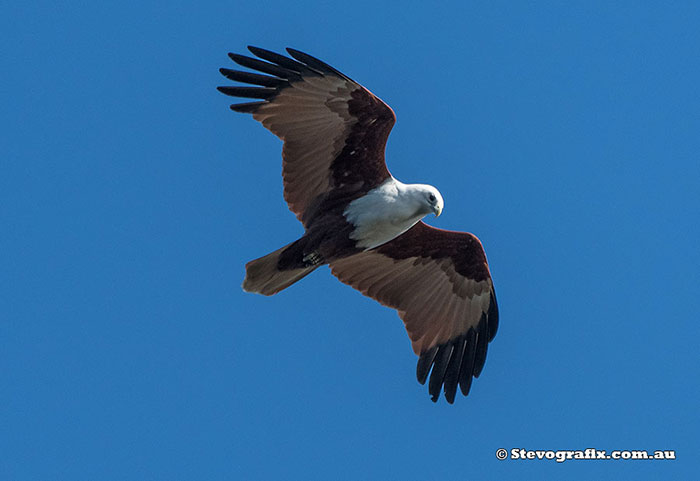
362	221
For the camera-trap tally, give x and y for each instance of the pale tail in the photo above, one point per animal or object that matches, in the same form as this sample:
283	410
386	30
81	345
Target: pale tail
263	277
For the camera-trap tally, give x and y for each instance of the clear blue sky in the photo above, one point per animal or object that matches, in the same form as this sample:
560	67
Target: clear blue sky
565	136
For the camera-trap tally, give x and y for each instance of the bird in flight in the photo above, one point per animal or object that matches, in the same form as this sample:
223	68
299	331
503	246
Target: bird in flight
361	221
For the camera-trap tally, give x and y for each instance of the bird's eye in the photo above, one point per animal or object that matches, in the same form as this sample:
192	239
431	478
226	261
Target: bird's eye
431	197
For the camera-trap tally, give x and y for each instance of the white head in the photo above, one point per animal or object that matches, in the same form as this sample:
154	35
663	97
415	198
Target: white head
390	210
427	199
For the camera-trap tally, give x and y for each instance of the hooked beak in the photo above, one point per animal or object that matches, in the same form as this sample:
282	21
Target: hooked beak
438	211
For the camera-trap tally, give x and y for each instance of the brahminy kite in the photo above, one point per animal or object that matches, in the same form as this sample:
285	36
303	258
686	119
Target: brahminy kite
361	221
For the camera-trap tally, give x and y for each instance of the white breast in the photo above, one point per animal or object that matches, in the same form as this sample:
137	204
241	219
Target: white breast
382	214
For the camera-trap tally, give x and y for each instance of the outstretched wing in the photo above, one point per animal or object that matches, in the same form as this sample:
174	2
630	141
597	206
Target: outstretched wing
439	281
334	130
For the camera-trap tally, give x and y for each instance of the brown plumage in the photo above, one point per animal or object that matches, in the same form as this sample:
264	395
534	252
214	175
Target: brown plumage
439	282
334	130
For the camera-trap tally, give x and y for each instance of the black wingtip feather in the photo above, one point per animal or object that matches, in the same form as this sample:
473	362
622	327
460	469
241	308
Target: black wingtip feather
276	58
452	373
437	377
247	108
314	63
492	315
248	92
482	343
265	67
253	78
282	61
467	369
424	364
